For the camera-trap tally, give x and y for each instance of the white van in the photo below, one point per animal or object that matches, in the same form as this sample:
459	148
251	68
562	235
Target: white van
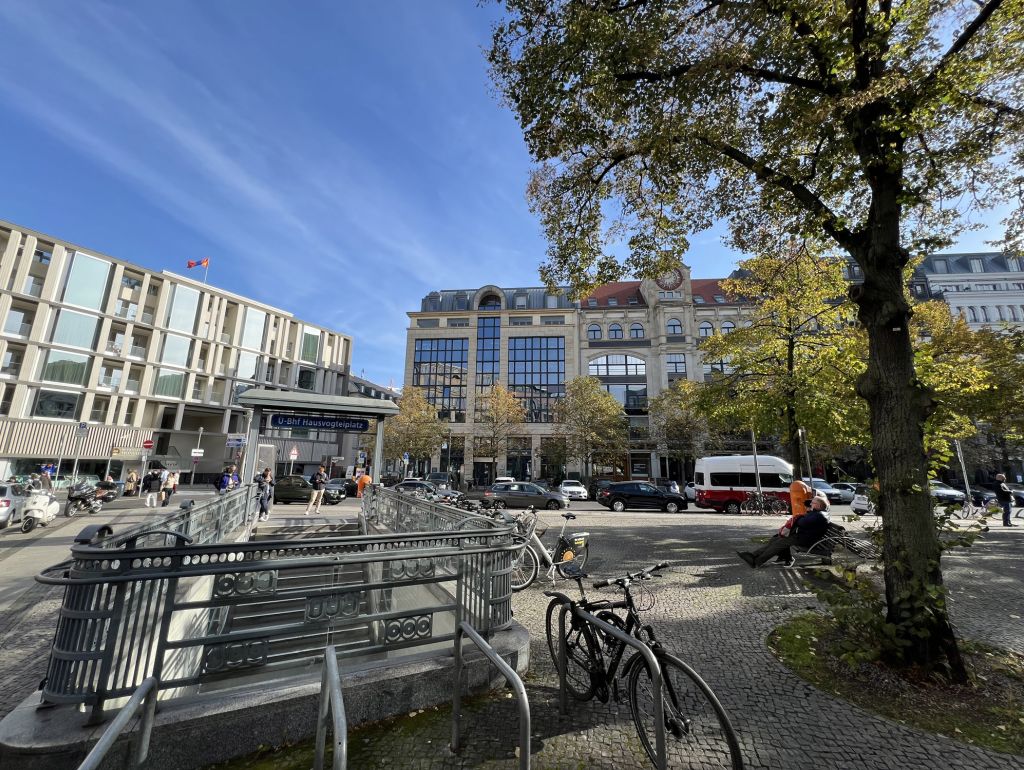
723	483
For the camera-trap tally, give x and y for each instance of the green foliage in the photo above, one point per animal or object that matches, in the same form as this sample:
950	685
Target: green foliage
502	412
416	429
678	424
591	423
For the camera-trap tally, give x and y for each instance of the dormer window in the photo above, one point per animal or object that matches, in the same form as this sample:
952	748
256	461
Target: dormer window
521	301
461	302
698	300
634	301
613	302
490	302
591	302
719	298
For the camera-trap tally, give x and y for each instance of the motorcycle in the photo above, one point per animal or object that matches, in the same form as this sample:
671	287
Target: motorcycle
83	497
40	509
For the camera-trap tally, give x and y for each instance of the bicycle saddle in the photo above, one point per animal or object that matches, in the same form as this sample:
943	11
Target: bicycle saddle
568	516
572	570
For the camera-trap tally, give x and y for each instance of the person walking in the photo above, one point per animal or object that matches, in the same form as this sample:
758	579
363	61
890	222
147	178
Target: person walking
265	485
319	482
130	483
151	488
1005	498
364	481
167	488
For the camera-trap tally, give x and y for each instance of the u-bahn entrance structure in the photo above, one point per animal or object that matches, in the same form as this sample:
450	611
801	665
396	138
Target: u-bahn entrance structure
228	621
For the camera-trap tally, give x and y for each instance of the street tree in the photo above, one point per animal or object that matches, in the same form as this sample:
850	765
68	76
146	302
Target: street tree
502	413
863	123
795	360
592	423
416	429
679	426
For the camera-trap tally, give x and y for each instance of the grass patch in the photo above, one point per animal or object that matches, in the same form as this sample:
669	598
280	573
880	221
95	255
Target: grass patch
987	712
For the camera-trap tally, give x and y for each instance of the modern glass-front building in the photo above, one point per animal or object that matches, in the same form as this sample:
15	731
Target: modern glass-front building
139	356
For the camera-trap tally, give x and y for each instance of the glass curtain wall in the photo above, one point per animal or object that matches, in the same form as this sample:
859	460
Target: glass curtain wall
87	282
67	368
536	373
184	306
76	329
440	369
252	328
488	360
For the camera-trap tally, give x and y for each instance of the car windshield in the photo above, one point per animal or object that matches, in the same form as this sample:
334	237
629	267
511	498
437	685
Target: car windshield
939	485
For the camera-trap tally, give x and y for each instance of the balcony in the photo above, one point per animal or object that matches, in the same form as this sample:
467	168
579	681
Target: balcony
13	369
226	339
33	286
147	318
109	380
198	393
132	386
137	351
18	328
127	312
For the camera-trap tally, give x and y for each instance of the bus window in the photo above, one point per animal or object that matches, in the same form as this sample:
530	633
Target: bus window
725	479
698	479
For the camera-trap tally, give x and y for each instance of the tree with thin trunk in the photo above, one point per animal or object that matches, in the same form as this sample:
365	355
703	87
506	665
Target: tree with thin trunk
592	424
416	429
874	125
502	413
679	426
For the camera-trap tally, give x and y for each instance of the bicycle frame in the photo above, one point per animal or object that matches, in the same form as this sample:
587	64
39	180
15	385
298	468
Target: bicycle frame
547	557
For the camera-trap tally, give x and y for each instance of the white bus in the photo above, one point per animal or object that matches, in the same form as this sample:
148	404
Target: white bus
723	482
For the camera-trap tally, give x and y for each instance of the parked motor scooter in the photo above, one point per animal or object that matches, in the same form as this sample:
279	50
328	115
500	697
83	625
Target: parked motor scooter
39	509
83	497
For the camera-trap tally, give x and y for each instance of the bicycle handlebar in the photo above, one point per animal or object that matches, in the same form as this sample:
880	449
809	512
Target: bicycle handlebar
641	575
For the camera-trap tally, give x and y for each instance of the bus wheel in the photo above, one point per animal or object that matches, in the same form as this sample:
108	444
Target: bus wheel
732	507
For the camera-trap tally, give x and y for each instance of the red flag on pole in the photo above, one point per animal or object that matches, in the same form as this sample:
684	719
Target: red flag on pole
205	262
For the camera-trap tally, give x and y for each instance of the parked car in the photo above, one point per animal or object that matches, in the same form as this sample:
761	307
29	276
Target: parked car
979	495
339	486
847	490
623	495
667	485
410	486
443	480
296	489
725	482
831	494
690	491
12	497
573	489
1017	490
504	480
861	502
945	494
523	494
596	485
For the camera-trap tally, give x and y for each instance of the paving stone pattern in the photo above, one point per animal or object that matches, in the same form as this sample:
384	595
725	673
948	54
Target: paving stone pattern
713	611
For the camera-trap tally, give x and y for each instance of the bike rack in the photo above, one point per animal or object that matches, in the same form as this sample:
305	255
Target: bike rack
465	629
332	701
640	647
143	698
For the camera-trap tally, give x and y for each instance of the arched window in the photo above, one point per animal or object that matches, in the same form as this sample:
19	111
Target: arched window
727	327
636	331
673	326
615	332
593	332
706	330
972	315
1013	312
490	302
984	314
617	365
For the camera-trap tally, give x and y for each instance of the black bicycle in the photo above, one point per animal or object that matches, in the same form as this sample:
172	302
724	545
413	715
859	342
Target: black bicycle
697	728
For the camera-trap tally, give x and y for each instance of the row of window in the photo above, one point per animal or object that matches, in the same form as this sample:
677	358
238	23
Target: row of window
1009	314
672	326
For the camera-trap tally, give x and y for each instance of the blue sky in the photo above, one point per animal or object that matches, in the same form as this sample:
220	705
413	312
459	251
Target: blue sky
336	160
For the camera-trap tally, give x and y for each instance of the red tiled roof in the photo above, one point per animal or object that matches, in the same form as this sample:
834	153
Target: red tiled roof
622	291
708	288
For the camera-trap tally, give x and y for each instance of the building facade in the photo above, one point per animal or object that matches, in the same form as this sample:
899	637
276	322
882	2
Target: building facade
635	337
353	453
100	357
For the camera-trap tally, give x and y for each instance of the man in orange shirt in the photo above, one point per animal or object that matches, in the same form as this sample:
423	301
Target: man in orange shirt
800	496
362	483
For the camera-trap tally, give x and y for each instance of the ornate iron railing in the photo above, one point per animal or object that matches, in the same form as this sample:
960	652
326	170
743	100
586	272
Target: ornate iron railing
197	616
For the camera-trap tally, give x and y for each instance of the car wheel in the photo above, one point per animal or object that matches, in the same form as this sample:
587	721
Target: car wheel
553	505
618	505
732	507
672	507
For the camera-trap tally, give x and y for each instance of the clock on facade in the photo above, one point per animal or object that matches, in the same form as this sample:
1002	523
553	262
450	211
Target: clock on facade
673	279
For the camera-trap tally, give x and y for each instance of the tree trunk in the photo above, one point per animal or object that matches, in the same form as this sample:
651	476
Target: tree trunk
899	405
792	427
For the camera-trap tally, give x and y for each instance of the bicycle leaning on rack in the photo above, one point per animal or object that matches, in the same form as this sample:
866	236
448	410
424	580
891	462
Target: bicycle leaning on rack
763	504
569	549
695	726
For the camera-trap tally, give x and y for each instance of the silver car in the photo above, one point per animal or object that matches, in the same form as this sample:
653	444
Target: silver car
12	498
523	494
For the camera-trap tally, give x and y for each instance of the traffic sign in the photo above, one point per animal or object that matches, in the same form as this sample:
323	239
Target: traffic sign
293	453
198	452
83	429
147	444
237	439
405	456
337	460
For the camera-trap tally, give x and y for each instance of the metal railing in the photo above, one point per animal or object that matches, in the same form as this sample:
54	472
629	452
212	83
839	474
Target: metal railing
400	512
143	603
332	704
465	629
143	698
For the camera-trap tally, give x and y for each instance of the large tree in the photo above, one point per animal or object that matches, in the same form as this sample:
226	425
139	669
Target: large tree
501	413
592	424
866	123
416	429
678	424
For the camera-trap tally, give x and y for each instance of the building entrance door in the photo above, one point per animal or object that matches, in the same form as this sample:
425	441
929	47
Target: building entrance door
482	474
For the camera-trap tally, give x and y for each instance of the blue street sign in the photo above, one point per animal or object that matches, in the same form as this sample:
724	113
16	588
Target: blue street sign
343	424
406	457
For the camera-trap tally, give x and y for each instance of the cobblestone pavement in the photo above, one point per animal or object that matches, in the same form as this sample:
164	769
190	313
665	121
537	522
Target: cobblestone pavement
712	610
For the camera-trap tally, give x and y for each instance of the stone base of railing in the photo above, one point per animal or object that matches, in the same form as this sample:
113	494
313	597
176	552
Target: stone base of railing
198	730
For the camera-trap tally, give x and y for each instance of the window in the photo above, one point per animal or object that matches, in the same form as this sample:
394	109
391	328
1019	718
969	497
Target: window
488	359
248	365
252	329
520	301
439	368
5	402
458	322
110	376
591	302
1012	264
632	397
100	404
552	320
674	326
713	369
675	363
131	283
169	383
593	332
87	282
19	322
177	350
56	405
184	306
727	327
613	302
706	329
977	266
129	412
536	373
75	329
551	301
984	314
719	298
636	331
12	362
461	303
67	368
940	265
634	300
311	346
427	323
520	321
307	379
617	366
615	332
490	302
698	300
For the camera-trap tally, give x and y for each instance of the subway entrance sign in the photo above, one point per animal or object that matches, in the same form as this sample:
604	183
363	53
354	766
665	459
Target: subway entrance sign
343	424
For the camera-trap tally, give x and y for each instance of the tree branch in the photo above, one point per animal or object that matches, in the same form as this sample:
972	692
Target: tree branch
963	40
763	74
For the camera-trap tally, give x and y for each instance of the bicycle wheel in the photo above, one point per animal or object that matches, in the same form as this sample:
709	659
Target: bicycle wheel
524	569
697	729
579	557
582	653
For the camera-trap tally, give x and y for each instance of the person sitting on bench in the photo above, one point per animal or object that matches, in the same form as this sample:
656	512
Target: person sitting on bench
805	531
